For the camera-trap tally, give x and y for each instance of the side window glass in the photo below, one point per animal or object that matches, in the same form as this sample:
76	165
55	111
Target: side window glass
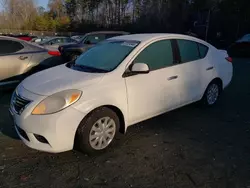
59	40
157	55
10	46
203	50
51	42
69	40
188	50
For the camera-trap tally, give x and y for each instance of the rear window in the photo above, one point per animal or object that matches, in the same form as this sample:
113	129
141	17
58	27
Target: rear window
94	39
203	50
110	35
10	46
188	50
69	40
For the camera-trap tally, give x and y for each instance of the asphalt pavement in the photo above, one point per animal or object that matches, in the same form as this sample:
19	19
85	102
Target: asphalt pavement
189	147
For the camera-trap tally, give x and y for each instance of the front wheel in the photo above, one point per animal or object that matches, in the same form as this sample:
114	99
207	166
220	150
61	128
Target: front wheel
97	131
212	94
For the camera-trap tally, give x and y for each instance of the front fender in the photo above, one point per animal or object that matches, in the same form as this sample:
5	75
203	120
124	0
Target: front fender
88	106
111	94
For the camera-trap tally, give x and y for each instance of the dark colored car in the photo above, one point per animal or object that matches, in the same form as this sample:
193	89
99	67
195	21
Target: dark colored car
240	48
72	51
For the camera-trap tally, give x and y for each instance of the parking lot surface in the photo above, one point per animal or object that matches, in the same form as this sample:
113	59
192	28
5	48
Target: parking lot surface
189	147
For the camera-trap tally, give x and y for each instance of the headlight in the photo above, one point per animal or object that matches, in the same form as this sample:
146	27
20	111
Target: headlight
57	102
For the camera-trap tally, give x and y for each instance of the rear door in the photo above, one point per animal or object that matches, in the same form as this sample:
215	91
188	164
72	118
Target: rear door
189	71
13	59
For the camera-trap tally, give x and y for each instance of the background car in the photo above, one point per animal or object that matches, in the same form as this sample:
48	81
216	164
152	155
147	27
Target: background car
19	58
241	48
39	39
55	42
116	84
72	51
78	37
24	37
19	36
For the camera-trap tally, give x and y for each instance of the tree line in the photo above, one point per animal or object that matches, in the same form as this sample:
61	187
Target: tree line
25	15
212	19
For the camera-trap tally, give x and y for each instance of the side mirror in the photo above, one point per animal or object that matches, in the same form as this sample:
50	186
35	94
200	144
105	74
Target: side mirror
140	68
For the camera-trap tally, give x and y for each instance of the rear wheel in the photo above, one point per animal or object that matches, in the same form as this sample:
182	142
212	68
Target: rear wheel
97	131
212	93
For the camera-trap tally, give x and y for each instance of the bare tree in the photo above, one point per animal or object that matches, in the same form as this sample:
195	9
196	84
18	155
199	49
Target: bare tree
17	13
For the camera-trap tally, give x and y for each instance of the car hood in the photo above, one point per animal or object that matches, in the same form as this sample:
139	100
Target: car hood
59	78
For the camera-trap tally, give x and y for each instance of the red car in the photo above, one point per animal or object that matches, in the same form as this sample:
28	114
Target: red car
23	37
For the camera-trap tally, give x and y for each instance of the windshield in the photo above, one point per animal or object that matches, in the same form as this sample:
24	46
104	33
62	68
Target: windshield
46	39
106	56
245	38
83	38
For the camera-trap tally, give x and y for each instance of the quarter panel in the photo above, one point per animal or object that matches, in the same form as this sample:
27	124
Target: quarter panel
223	67
208	70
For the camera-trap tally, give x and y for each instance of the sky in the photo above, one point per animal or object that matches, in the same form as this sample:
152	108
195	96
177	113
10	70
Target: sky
43	3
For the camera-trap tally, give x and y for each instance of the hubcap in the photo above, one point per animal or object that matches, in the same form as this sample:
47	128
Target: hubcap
212	94
102	133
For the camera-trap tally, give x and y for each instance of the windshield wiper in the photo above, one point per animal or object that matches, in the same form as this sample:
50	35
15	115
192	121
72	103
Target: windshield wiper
91	69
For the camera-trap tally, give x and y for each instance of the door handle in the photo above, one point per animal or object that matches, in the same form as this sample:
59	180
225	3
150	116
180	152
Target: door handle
210	68
172	78
23	57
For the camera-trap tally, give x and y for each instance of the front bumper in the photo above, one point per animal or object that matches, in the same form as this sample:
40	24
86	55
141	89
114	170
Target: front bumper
52	133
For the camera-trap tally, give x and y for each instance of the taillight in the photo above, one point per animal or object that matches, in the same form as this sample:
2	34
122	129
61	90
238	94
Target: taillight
229	59
54	53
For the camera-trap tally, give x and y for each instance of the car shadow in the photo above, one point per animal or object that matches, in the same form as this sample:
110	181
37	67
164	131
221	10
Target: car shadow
6	123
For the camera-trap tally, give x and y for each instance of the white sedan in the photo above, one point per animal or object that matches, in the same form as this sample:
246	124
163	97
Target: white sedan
118	83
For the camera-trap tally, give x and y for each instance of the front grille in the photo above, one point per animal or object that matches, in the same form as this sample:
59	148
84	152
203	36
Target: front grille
19	103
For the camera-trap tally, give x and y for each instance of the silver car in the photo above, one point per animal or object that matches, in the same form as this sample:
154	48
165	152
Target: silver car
19	59
55	42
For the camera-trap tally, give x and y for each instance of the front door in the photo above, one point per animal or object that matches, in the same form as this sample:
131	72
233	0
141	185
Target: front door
156	92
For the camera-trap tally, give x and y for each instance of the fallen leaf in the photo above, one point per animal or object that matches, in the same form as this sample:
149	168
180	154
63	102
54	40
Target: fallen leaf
24	178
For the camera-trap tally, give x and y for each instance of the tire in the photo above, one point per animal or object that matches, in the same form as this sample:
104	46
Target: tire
95	120
212	94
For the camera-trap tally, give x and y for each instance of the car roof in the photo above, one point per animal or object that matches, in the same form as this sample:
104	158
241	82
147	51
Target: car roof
153	36
11	38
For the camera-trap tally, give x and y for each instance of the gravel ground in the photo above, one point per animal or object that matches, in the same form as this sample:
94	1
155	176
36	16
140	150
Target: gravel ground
189	147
